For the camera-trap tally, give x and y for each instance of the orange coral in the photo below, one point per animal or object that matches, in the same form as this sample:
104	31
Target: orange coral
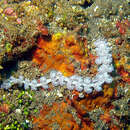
93	101
89	103
124	74
60	116
59	52
106	117
4	108
120	65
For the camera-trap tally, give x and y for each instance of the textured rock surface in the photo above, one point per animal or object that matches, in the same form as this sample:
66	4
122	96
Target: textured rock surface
22	23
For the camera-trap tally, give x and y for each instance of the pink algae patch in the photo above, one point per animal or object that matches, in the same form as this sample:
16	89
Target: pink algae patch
9	11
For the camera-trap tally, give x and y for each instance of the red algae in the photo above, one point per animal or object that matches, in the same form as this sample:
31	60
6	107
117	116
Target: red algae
42	29
123	26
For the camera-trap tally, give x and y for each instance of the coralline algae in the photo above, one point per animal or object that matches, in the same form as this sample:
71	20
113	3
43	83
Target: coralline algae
87	84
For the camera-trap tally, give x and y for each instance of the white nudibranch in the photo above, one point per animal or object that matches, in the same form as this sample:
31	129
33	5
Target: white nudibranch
87	84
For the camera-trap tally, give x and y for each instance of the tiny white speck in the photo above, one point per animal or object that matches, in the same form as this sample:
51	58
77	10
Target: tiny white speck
126	90
18	111
95	8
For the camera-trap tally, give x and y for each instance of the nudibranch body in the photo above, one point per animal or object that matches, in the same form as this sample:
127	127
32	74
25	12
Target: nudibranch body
79	83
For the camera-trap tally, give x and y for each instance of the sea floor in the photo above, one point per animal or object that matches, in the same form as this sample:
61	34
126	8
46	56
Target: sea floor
38	36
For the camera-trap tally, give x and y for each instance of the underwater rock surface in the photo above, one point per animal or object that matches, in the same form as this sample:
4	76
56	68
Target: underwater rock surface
55	72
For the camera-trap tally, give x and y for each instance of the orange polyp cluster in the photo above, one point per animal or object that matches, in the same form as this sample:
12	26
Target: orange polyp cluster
56	54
